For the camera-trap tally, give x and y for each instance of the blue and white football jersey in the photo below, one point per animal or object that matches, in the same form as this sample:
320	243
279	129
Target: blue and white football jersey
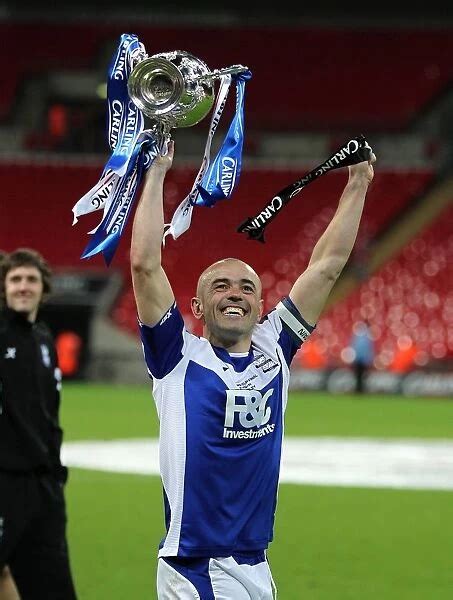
221	429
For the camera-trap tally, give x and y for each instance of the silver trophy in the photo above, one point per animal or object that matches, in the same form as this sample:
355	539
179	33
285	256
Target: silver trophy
175	89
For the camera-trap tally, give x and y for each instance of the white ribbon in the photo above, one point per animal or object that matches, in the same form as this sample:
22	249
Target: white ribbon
182	216
99	197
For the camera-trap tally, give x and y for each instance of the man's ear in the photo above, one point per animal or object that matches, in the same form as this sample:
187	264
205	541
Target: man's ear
197	308
260	314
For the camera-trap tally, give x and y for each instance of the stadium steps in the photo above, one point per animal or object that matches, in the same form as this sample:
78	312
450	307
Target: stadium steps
396	237
117	355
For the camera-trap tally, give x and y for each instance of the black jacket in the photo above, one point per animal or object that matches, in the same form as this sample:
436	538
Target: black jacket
30	435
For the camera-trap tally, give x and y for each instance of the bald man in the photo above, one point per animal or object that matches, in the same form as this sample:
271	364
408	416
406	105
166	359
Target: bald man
221	397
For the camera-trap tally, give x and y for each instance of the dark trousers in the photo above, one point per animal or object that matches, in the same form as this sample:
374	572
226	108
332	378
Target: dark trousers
360	369
33	535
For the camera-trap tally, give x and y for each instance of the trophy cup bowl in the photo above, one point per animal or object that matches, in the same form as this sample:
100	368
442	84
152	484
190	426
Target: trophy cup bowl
173	88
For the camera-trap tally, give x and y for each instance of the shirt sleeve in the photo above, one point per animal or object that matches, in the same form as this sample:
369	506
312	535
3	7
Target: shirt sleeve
295	330
163	343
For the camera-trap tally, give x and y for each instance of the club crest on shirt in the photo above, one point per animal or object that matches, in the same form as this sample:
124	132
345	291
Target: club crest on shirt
45	355
10	353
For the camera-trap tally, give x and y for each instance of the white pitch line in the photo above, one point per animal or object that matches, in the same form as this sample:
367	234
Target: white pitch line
349	462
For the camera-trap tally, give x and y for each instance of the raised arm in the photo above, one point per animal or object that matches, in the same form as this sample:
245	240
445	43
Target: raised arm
312	288
152	290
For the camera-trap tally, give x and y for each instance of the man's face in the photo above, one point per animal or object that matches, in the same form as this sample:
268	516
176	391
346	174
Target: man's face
24	290
230	300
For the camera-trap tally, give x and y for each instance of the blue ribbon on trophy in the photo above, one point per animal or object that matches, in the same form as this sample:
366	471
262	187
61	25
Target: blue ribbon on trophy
125	123
220	178
173	89
217	181
108	233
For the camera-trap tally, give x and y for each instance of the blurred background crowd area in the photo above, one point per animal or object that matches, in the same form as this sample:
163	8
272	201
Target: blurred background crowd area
321	75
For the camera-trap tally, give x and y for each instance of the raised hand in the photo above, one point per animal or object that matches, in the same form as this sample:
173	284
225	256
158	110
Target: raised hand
363	170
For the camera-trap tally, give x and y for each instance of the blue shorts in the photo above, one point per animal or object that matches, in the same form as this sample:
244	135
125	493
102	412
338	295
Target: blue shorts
243	576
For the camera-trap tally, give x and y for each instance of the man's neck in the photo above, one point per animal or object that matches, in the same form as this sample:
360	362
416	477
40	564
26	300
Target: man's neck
232	346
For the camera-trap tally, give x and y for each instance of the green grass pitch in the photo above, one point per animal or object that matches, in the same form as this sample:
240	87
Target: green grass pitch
330	543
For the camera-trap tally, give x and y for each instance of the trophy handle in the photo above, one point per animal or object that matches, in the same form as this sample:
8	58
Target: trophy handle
217	73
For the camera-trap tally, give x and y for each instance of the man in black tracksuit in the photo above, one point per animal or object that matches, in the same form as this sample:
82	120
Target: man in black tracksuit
34	561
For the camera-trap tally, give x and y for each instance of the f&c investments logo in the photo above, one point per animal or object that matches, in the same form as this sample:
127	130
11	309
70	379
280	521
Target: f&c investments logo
248	409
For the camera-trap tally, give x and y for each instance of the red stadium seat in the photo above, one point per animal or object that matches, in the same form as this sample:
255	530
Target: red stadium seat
409	303
44	222
317	91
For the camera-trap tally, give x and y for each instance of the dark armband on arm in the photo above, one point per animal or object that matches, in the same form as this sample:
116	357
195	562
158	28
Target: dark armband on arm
293	321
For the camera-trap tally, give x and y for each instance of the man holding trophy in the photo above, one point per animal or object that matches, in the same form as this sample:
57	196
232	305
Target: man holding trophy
220	398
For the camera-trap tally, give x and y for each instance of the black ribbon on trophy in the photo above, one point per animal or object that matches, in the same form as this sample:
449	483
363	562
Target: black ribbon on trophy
353	152
173	89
